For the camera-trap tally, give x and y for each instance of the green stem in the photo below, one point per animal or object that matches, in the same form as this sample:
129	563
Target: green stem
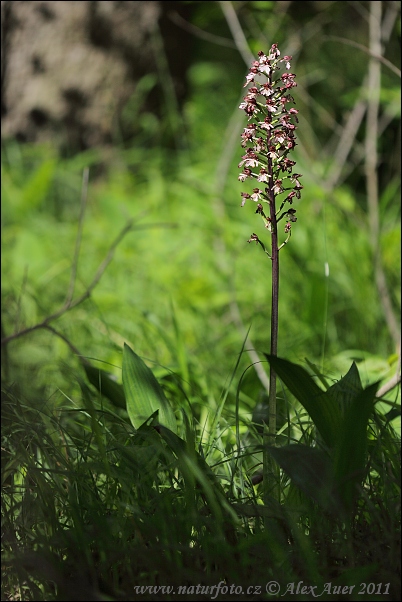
274	325
270	470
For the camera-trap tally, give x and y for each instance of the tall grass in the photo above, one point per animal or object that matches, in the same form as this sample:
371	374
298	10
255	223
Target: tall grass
93	509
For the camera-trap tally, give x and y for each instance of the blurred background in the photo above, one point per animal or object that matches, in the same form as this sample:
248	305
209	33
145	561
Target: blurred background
119	111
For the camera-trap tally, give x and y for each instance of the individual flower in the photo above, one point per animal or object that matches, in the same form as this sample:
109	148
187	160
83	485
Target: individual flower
263	176
246	173
249	105
288	79
259	145
286	122
266	124
274	52
271	105
252	74
252	93
273	153
279	136
290	197
284	100
245	196
295	179
257	195
294	112
250	159
246	139
286	164
277	188
287	60
254	238
266	89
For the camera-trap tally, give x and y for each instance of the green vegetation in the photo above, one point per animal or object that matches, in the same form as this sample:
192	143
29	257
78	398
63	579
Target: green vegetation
132	310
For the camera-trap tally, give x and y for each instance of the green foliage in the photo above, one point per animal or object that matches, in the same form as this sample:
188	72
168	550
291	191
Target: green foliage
93	508
341	415
109	486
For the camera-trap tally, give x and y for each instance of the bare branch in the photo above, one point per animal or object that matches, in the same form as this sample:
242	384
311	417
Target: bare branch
347	138
198	32
237	32
68	342
371	168
393	382
375	55
101	269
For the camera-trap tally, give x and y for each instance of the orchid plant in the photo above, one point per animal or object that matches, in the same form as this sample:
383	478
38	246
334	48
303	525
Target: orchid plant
268	138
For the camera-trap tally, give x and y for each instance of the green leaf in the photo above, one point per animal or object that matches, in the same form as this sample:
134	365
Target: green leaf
346	389
144	450
315	370
323	411
108	387
310	470
350	451
143	393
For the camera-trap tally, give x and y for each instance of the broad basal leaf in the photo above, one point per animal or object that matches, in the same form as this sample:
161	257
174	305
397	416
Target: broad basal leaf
346	389
350	452
144	395
325	414
108	387
310	470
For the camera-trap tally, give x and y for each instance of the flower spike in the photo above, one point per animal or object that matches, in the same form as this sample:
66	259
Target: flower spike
270	133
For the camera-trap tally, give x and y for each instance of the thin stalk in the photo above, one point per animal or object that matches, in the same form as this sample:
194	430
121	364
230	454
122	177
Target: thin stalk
269	465
270	488
274	310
